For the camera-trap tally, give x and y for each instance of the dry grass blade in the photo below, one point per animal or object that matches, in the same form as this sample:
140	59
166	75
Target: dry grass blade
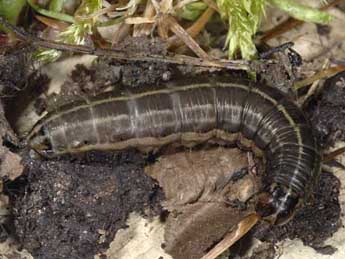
319	75
105	10
212	4
314	87
194	30
139	20
331	155
162	27
242	228
145	29
52	23
176	28
120	34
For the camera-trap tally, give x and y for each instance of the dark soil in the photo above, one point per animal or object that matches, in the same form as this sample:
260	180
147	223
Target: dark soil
72	209
107	72
315	222
328	115
15	69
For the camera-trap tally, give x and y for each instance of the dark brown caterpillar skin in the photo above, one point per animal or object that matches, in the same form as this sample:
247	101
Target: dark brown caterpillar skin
196	112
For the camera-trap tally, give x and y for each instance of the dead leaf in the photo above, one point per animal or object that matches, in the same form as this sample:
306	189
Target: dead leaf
203	197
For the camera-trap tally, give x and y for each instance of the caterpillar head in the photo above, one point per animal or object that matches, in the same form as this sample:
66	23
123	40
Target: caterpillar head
277	205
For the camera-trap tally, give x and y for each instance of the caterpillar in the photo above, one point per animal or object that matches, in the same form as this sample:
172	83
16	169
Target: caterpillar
195	111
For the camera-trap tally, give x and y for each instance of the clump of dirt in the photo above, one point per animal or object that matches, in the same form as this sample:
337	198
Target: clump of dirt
36	84
93	80
328	116
15	69
281	71
315	222
107	72
73	208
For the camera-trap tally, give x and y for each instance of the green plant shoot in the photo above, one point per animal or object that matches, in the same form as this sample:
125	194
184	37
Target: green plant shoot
244	17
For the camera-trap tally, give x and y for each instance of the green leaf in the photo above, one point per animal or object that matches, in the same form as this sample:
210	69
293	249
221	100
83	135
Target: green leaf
77	32
11	9
56	5
51	14
192	11
88	7
302	12
244	17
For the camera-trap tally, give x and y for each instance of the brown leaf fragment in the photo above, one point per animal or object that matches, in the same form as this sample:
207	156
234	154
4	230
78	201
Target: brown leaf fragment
191	176
204	197
10	165
241	229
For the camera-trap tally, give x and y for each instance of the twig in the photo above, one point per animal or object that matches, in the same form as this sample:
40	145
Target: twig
123	55
319	75
145	29
194	30
176	28
211	4
102	11
52	23
162	27
313	88
242	228
120	34
331	155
